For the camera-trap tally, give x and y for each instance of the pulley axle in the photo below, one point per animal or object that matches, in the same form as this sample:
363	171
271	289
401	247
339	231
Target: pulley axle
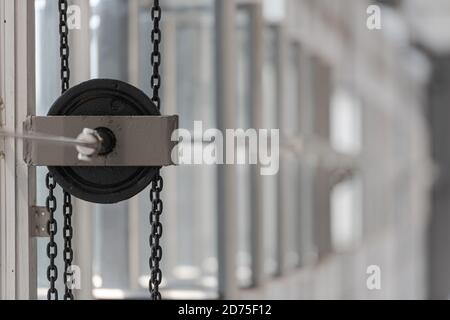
50	139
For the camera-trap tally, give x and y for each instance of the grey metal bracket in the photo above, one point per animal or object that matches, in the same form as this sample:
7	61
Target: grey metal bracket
39	217
140	140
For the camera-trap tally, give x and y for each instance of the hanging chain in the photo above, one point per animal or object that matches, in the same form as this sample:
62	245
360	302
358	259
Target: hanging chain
157	183
156	54
155	237
67	208
64	45
68	252
52	248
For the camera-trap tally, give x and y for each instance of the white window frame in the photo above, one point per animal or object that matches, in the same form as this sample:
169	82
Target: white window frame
17	180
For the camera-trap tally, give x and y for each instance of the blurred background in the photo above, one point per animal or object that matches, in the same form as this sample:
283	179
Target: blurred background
363	115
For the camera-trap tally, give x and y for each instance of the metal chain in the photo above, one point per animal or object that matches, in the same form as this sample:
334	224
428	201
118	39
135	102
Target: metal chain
67	207
155	237
157	183
156	54
68	252
52	248
64	45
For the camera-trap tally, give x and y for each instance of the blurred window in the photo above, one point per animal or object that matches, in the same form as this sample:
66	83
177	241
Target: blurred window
346	214
345	122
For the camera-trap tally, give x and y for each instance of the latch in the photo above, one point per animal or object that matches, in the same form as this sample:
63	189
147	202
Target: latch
39	217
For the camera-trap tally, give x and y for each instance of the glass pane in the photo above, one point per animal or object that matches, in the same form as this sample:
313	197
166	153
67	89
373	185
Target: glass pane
345	121
346	214
190	246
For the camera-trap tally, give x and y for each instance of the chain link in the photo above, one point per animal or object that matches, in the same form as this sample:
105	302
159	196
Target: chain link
156	230
52	229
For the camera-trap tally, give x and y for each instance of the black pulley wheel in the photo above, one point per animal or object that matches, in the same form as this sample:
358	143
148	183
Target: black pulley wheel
104	97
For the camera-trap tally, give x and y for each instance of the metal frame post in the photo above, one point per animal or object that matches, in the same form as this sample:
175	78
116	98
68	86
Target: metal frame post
256	81
226	118
283	222
18	263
